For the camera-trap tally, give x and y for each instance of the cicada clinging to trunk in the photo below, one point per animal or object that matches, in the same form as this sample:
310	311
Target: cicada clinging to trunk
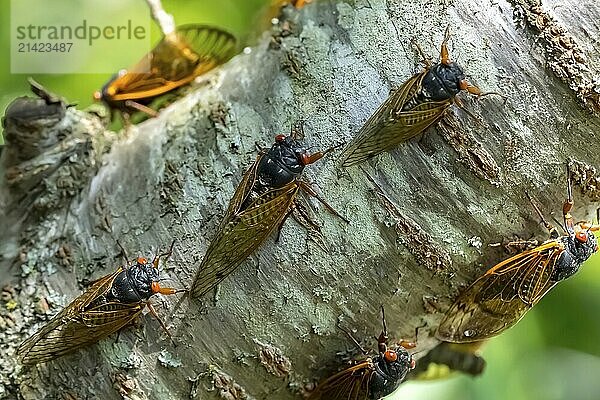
419	103
372	378
266	196
501	297
109	304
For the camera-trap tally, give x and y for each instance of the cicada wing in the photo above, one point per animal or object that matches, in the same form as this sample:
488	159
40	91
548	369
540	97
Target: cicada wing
240	235
175	61
213	46
242	191
350	384
79	324
390	125
501	297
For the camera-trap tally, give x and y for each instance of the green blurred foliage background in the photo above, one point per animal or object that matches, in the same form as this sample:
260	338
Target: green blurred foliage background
554	353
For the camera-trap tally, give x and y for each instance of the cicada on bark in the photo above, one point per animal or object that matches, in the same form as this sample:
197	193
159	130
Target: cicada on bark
109	304
500	298
419	103
371	378
266	196
180	57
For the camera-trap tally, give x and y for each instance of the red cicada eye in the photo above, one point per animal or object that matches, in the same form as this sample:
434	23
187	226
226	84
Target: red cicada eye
581	236
279	138
155	287
390	356
412	363
142	260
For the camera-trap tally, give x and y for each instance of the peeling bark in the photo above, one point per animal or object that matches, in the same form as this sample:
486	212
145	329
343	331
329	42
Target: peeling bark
69	190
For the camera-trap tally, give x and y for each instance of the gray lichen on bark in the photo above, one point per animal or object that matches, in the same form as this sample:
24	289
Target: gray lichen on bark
172	177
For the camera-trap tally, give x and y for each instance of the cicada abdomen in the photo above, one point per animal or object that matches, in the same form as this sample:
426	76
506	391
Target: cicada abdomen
447	359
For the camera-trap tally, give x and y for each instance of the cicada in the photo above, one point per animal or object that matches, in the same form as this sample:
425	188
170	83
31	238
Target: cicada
419	103
446	359
266	196
180	57
501	297
109	304
371	378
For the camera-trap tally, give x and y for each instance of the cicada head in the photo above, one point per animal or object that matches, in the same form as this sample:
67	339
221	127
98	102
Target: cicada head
109	90
444	81
583	243
391	368
143	278
579	245
291	152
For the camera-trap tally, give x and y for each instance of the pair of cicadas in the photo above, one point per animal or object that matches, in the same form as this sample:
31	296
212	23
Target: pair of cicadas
267	195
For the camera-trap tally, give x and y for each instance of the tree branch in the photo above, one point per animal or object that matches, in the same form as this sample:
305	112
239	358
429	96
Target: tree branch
70	190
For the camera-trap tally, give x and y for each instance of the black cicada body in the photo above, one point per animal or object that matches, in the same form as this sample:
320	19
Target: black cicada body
372	378
135	283
180	57
501	297
282	164
419	103
266	196
442	82
108	305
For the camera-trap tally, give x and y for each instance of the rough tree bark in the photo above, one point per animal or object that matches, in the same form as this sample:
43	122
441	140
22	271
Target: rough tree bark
69	190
